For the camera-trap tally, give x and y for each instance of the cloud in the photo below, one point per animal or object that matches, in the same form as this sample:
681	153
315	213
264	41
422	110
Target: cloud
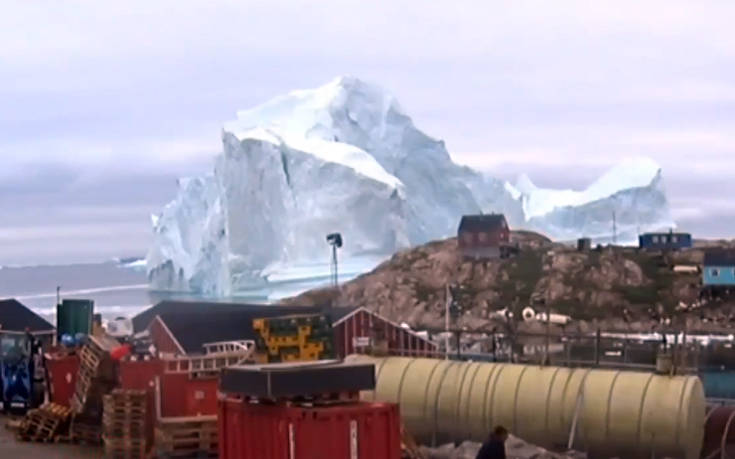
111	101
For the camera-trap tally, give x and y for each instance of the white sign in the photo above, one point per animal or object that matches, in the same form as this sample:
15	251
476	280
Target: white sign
360	341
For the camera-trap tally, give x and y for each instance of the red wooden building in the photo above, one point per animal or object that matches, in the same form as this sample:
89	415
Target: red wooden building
483	236
361	329
183	328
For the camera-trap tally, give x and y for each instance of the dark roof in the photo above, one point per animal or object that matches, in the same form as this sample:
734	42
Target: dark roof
719	257
16	317
196	323
666	233
482	222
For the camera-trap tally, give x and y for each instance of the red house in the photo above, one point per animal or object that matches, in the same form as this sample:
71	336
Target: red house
483	236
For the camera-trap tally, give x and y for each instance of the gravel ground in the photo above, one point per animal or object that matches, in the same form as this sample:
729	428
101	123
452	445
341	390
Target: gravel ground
515	449
12	448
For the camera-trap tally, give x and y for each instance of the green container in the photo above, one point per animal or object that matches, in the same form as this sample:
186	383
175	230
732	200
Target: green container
74	316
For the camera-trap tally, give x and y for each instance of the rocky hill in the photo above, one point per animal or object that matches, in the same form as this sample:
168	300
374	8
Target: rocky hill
617	287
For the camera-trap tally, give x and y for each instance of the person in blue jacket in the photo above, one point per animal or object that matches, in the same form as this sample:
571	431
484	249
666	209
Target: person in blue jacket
494	447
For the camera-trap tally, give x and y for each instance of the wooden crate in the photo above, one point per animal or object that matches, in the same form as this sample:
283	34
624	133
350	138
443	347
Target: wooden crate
187	438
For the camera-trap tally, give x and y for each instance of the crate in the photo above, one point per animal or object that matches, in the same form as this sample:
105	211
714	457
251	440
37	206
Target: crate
187	438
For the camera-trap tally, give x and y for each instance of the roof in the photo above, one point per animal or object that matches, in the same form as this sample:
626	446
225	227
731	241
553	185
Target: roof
15	316
195	323
482	222
719	257
666	233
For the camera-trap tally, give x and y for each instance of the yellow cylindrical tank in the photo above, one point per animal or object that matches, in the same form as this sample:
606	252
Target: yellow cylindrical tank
616	413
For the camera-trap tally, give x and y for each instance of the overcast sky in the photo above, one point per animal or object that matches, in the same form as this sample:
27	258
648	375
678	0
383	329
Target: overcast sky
104	104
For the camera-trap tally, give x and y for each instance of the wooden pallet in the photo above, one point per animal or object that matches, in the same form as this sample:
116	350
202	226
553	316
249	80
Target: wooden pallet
116	448
128	394
85	430
187	438
43	423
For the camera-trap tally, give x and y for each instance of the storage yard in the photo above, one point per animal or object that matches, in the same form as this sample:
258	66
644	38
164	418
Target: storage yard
242	381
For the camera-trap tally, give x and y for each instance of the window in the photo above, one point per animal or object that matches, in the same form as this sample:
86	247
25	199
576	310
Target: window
482	237
674	239
715	272
654	239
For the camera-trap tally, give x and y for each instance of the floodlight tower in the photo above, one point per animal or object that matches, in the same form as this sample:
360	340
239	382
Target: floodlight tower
335	240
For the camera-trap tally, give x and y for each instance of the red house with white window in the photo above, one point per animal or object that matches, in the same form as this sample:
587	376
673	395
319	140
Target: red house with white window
484	236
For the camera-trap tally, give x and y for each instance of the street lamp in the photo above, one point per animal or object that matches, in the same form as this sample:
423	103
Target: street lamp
335	240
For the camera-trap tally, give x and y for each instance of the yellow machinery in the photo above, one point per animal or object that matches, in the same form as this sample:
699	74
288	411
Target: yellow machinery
604	412
294	338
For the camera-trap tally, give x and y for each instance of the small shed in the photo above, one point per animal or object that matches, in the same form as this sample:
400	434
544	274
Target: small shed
719	268
483	236
665	241
584	244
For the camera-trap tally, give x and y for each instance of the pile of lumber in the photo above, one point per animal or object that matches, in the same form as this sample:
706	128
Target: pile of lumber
96	376
124	424
43	424
187	437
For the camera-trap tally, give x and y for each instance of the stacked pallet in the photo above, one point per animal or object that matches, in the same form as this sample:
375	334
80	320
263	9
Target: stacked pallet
44	423
123	422
187	437
96	377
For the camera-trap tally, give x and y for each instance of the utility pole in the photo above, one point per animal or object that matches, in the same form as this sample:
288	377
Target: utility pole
448	295
548	331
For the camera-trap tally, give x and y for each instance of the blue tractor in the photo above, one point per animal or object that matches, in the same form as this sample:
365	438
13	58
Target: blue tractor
17	371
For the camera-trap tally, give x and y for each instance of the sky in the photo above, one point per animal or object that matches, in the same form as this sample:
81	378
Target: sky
104	104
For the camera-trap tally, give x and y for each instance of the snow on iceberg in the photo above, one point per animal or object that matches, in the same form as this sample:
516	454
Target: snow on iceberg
345	157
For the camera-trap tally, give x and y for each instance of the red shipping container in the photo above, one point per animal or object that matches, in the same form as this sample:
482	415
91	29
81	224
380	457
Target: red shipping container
352	431
182	395
62	374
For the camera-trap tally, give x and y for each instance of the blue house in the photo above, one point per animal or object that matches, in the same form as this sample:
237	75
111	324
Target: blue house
719	268
665	241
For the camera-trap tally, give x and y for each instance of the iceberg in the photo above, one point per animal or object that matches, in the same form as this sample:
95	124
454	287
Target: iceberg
630	196
345	157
